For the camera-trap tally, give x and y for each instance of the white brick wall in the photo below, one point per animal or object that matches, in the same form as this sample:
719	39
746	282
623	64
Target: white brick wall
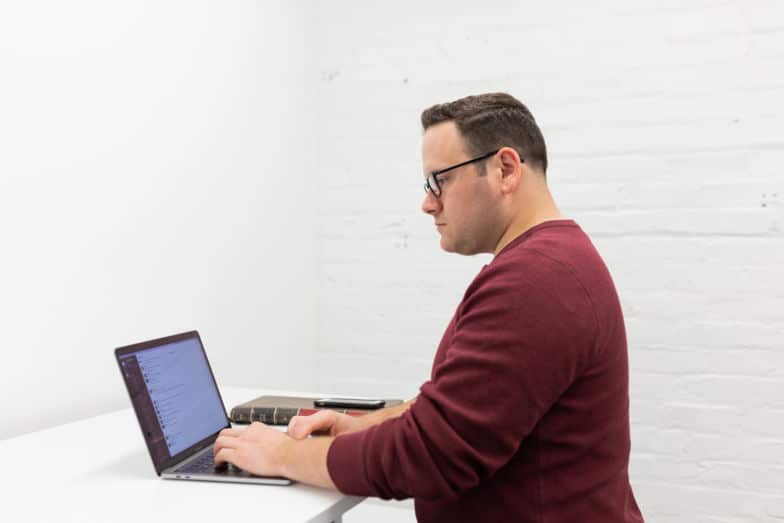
664	126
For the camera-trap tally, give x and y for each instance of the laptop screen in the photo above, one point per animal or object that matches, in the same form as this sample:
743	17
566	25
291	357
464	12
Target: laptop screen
174	393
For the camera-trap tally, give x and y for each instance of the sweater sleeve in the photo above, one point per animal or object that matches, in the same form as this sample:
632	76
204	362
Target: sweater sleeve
522	335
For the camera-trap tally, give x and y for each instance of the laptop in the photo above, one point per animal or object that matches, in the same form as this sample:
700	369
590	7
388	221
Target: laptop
179	408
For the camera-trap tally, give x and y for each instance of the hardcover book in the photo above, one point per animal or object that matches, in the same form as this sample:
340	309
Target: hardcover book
278	410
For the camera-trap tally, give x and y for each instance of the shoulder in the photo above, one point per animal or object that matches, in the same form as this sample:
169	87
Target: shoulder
531	282
524	268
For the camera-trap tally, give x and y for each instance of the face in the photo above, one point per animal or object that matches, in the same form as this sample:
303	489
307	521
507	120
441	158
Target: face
466	214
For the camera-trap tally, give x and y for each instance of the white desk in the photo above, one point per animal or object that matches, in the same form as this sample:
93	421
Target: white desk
99	470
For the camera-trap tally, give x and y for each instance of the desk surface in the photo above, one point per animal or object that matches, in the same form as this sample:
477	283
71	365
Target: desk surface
99	470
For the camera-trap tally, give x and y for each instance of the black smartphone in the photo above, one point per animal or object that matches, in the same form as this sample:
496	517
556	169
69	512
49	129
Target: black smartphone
349	403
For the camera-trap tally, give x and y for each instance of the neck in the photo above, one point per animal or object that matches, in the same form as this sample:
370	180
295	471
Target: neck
542	211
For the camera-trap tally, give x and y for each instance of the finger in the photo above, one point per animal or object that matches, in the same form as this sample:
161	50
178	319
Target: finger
231	432
226	456
300	428
294	421
303	426
225	442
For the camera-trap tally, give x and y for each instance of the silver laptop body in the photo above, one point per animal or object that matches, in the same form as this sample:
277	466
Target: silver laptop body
179	408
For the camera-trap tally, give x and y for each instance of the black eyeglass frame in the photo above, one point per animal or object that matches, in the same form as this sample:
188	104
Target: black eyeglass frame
431	183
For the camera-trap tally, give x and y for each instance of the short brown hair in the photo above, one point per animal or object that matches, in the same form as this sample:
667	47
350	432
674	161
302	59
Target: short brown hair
492	120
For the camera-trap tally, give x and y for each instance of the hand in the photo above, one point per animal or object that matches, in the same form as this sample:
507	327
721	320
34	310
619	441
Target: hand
258	449
323	422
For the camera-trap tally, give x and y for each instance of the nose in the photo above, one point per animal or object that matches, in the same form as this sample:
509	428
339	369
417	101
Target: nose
431	204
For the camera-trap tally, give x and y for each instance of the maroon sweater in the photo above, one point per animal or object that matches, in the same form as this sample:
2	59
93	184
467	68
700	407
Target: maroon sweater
526	414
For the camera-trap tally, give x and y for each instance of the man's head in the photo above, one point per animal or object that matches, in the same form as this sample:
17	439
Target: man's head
474	205
489	121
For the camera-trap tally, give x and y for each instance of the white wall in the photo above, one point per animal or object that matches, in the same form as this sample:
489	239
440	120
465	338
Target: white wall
664	126
151	181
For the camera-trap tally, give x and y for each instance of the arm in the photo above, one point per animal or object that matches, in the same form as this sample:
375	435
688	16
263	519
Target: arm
268	452
264	451
334	423
515	347
381	415
305	460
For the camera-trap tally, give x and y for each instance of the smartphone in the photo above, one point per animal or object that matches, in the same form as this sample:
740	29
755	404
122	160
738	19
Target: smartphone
349	403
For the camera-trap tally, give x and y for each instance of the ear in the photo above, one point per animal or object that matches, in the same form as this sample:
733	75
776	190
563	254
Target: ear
511	170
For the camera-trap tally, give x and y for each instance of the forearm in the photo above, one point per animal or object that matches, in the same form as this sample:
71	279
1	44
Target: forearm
374	418
306	461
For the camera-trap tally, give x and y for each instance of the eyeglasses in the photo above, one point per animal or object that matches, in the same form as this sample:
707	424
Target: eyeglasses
432	185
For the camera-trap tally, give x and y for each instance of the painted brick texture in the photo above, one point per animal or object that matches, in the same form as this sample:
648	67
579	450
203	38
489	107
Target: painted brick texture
664	127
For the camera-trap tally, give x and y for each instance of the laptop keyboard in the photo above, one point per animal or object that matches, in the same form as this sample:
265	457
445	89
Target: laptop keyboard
204	463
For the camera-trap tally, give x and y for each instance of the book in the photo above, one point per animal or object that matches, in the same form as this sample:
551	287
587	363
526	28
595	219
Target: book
278	410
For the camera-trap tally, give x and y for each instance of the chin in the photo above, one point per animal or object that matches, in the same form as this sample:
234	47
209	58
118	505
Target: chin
457	249
463	250
446	245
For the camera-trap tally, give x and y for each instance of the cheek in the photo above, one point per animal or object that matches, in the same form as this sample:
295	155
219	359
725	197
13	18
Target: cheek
481	214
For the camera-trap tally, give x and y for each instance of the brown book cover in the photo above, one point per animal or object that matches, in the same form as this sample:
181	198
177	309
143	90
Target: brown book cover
278	410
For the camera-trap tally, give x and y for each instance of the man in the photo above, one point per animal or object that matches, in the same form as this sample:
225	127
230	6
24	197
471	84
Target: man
526	414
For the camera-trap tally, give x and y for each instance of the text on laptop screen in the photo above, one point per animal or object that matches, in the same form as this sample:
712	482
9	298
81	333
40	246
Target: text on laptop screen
180	385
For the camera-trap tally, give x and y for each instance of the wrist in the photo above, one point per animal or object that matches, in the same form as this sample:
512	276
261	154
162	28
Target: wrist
360	423
283	457
305	461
